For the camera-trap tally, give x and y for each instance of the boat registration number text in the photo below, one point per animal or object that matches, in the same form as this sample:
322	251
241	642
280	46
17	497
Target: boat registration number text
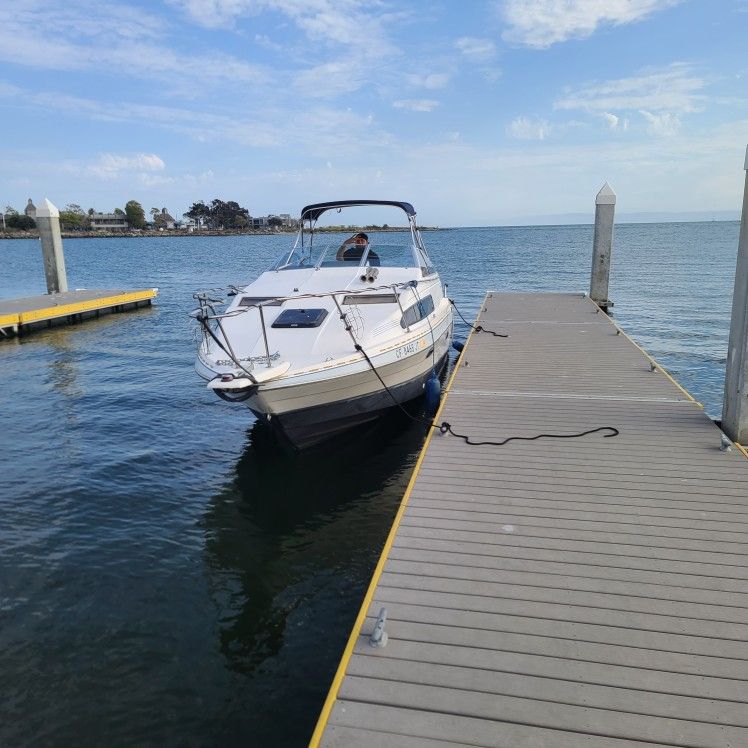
409	349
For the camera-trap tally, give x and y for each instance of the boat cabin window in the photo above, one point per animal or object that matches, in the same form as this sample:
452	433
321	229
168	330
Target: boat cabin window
247	301
370	298
417	312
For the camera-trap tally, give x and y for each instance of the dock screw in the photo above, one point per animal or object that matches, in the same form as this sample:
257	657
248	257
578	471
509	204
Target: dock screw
378	637
725	445
653	367
618	332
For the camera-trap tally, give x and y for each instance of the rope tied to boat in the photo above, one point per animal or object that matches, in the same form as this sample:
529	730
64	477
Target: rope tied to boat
476	328
446	428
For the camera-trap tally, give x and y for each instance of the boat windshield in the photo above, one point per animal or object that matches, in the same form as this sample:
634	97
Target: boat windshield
384	251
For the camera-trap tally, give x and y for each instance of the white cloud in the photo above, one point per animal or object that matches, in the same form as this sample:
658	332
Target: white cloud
615	122
263	40
47	36
674	88
541	23
337	21
111	165
612	120
525	128
330	79
663	124
491	74
476	49
214	14
431	81
149	179
9	90
314	130
416	105
85	18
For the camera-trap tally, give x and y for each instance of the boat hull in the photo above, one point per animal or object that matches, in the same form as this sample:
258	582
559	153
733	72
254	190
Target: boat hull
306	414
307	427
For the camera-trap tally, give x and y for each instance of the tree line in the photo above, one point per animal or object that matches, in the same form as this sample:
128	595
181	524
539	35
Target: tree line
217	214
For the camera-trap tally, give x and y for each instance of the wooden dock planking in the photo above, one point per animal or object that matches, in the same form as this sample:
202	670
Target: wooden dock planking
32	312
583	592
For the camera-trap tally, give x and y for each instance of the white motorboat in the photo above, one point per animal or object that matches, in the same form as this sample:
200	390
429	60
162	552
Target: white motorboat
312	342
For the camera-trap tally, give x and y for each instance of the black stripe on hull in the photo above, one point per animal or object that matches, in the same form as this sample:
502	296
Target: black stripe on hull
304	428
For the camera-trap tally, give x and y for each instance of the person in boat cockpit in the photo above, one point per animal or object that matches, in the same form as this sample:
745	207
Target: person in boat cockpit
353	248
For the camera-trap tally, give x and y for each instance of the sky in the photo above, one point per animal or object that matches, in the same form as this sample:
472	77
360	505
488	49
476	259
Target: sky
479	112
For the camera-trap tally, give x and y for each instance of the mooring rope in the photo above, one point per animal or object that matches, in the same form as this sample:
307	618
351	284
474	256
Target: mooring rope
476	328
446	428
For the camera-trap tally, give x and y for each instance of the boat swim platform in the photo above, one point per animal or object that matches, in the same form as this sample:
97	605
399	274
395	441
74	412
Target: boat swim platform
562	592
19	316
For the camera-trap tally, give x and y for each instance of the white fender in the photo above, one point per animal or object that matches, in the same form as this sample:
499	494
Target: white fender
260	373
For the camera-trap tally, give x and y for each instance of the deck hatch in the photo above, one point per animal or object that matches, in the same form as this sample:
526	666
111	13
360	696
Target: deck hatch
300	318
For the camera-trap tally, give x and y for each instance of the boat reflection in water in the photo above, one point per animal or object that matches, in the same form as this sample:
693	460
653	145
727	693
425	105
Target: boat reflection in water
291	544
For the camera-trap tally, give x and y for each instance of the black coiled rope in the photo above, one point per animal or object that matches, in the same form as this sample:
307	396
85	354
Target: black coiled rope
476	328
446	427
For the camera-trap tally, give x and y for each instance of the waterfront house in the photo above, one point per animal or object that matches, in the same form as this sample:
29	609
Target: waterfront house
109	222
262	222
164	220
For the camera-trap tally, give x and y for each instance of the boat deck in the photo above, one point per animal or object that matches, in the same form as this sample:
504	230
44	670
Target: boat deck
18	316
562	592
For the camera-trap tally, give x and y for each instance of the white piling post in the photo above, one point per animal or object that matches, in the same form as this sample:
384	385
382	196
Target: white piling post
735	408
605	208
48	223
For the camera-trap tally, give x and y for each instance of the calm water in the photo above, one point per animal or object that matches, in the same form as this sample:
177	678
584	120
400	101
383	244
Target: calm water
167	576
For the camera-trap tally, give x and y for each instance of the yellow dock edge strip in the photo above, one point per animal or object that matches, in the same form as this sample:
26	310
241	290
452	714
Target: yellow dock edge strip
89	305
357	626
647	355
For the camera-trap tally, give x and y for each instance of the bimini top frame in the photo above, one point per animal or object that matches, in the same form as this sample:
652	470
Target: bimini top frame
313	212
310	214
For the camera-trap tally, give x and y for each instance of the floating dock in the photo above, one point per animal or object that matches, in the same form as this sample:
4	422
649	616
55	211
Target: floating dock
19	316
562	592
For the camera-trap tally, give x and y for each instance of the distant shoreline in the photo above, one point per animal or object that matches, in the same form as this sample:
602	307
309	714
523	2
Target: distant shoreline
33	234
